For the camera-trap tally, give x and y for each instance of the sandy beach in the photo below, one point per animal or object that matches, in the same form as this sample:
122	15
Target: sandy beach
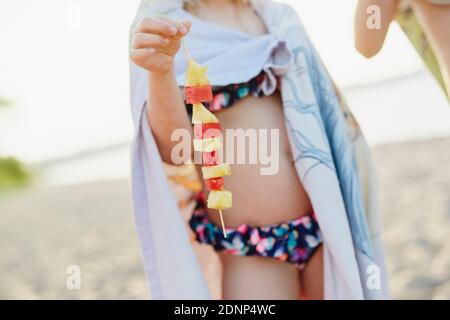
43	230
414	181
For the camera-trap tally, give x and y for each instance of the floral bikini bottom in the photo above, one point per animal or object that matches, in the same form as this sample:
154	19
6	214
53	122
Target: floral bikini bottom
294	241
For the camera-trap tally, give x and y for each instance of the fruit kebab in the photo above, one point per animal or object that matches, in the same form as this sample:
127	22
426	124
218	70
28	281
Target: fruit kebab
207	138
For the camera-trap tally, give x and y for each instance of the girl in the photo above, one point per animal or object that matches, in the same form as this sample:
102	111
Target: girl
287	232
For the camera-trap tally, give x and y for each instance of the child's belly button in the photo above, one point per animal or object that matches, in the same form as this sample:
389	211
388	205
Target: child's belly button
263	200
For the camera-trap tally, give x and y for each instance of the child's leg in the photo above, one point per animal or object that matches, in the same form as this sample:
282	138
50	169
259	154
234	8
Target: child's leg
258	278
311	277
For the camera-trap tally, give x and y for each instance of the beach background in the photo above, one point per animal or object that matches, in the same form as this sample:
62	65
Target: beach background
63	64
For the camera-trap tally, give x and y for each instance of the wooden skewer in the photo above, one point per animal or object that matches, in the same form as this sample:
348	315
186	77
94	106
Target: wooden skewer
223	224
186	51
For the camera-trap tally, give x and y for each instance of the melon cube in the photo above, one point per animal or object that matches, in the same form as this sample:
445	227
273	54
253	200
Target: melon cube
220	200
198	94
220	170
214	183
202	115
211	158
207	145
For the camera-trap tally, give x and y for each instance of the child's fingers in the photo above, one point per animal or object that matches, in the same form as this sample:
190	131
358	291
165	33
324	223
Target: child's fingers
156	25
182	27
187	24
141	54
147	40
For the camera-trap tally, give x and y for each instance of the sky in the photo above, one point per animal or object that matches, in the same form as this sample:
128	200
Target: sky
64	64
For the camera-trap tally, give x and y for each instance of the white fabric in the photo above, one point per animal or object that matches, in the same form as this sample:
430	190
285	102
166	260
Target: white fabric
230	47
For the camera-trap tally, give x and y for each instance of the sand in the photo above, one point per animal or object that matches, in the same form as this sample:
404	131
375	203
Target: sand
43	230
414	181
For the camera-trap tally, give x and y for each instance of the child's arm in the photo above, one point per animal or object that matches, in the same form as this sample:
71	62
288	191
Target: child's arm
435	20
370	41
155	43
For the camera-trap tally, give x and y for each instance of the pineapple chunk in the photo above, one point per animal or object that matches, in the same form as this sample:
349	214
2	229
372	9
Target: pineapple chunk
207	145
196	74
220	200
220	170
202	115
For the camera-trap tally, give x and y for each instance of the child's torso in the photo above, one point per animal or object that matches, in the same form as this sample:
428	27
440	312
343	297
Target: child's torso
260	199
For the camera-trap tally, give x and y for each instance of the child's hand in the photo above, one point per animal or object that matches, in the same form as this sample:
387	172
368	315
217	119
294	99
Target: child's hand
155	42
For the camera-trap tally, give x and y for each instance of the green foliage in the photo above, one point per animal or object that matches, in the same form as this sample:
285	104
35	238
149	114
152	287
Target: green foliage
4	102
12	174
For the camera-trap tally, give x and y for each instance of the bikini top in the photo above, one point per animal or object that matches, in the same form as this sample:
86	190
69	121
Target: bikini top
226	96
